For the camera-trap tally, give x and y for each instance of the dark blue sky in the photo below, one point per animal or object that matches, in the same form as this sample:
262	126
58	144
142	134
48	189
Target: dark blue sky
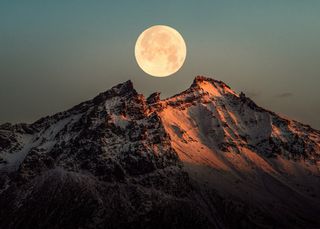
55	54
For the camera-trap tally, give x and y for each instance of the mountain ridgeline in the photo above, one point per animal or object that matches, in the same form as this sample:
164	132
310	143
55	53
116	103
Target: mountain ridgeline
205	158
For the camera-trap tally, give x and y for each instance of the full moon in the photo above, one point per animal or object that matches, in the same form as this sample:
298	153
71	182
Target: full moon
160	51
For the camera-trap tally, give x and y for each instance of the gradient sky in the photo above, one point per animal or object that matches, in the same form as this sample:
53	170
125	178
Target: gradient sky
56	54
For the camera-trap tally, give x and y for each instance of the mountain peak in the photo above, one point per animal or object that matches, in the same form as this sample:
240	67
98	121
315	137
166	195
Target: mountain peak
122	89
200	80
211	86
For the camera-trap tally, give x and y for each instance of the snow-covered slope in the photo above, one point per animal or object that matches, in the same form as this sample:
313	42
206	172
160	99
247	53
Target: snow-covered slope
113	127
105	163
231	145
209	124
207	157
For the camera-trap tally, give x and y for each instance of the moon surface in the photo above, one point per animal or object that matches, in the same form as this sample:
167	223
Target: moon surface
160	51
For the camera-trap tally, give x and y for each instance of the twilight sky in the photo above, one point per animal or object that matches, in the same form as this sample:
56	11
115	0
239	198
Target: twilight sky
56	54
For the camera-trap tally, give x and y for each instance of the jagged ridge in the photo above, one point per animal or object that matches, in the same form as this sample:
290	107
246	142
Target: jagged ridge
226	144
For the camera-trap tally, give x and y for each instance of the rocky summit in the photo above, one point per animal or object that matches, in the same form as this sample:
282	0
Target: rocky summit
204	158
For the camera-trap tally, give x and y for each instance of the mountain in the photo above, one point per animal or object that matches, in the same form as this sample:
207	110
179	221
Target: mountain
205	158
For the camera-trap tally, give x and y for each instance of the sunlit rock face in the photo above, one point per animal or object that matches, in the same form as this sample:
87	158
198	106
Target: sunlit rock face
229	144
205	158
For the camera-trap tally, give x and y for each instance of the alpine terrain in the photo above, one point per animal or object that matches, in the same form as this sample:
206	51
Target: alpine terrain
205	158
